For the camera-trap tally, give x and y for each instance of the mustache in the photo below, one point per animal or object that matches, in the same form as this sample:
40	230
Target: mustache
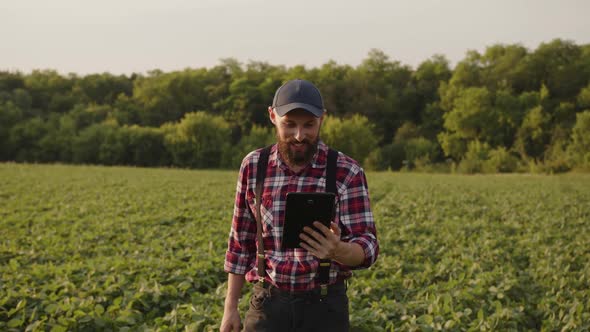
294	141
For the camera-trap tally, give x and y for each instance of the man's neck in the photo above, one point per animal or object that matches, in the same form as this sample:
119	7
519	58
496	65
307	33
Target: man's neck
296	168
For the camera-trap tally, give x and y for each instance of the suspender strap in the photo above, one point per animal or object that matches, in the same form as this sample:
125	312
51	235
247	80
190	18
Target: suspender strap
324	268
260	175
331	171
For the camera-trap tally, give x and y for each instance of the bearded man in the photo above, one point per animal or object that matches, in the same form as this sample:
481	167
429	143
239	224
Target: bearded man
288	293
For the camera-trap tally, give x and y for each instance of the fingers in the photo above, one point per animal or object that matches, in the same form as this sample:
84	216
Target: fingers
335	229
230	322
324	235
311	238
309	248
316	250
322	228
322	242
313	241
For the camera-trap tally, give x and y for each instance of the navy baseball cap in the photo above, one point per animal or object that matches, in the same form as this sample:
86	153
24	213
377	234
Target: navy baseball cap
298	94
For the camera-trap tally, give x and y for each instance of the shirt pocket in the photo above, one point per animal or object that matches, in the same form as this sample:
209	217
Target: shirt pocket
266	211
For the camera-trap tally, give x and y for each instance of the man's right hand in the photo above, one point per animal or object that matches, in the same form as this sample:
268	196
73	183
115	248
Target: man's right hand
230	321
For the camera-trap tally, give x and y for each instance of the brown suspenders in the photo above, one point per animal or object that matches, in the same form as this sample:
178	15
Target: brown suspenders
324	268
260	175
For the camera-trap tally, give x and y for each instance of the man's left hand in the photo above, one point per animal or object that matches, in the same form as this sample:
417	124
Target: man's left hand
323	244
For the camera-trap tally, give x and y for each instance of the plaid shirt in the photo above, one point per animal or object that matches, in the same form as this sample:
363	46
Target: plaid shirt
296	269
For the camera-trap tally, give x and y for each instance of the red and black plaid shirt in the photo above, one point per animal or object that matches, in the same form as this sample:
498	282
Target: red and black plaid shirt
296	269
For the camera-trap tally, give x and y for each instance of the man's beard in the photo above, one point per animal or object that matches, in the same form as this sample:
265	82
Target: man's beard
297	158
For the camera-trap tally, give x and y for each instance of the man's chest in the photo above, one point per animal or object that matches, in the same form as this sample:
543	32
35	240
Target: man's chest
275	190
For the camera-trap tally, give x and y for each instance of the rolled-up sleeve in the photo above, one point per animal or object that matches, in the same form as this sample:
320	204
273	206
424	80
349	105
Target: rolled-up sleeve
241	249
356	216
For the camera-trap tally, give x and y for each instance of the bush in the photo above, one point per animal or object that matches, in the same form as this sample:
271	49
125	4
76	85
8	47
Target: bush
114	148
473	162
198	141
500	160
392	156
258	137
102	144
354	136
24	138
146	146
579	149
420	152
374	161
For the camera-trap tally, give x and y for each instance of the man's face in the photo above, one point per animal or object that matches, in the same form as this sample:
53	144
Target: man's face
297	135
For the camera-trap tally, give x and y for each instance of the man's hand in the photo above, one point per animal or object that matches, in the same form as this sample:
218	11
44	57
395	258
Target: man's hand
323	244
230	321
231	315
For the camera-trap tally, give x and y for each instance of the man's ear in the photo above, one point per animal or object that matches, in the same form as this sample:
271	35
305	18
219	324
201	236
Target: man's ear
271	115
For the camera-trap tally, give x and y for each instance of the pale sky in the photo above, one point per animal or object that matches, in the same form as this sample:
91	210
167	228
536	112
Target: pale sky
125	36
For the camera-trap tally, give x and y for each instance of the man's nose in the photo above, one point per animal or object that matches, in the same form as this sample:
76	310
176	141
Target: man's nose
299	135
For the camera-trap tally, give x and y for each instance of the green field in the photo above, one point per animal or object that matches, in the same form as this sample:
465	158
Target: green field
97	248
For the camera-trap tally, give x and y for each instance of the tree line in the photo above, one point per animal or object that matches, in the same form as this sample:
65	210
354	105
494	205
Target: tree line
504	110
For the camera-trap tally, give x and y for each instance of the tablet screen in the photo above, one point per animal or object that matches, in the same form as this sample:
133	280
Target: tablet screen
303	208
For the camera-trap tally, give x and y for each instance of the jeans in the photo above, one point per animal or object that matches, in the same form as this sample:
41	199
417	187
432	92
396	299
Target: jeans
274	310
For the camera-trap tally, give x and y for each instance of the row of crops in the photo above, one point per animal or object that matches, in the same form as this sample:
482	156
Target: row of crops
97	248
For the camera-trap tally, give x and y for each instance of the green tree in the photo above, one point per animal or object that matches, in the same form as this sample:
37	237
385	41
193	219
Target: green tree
332	80
102	88
473	117
87	146
381	90
427	79
10	116
50	92
114	149
25	136
509	111
560	65
452	144
500	160
475	158
579	149
167	97
420	152
533	135
250	92
198	141
354	136
146	146
504	67
10	81
258	137
583	99
56	143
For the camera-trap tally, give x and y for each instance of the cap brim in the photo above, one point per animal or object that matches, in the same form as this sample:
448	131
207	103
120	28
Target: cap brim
284	109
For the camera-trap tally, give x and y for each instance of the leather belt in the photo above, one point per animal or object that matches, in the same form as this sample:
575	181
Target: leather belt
339	287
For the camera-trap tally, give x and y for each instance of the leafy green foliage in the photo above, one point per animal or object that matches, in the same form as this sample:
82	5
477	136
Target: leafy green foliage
354	137
96	248
509	97
257	138
532	135
580	147
198	140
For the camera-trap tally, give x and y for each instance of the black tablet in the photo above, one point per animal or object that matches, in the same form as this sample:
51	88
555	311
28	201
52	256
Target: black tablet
302	210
